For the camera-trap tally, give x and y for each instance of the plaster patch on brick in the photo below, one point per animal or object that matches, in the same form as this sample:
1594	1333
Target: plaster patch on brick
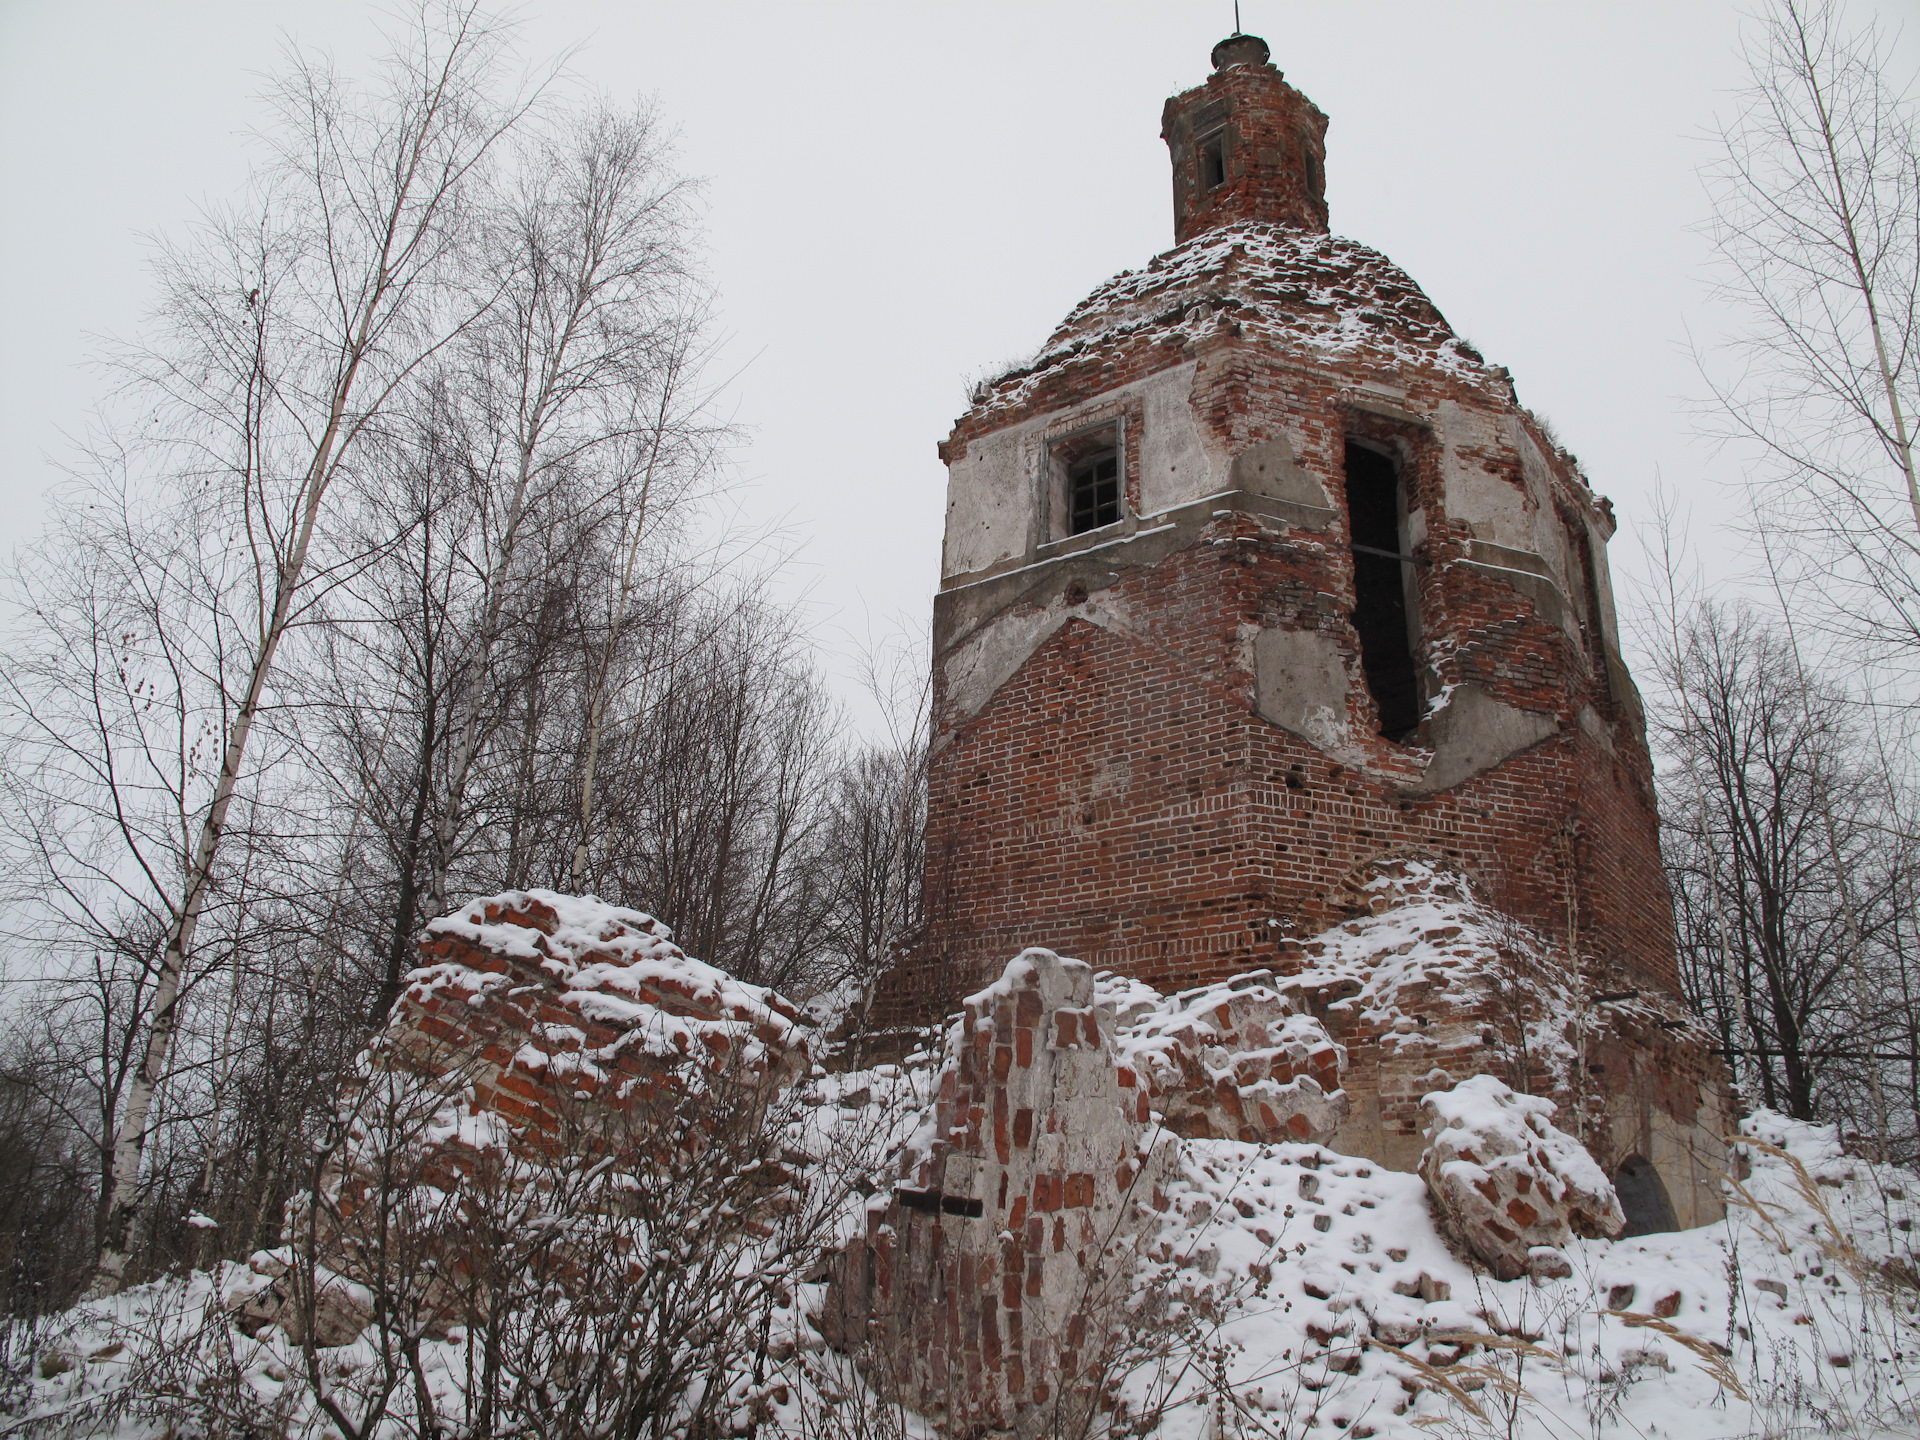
1473	732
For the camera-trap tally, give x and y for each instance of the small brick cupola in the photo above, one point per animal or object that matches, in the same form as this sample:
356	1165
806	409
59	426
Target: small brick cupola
1245	146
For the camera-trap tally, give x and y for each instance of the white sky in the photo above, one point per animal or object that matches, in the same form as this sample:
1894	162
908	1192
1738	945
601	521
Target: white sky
902	195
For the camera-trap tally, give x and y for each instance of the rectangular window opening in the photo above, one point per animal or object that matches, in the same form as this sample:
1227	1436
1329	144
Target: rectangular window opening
1089	466
1213	161
1384	613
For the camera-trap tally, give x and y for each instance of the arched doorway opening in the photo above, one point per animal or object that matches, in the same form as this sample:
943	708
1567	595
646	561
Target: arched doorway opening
1643	1197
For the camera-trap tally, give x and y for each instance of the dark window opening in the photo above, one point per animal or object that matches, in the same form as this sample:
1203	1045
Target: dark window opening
1213	162
932	1202
1087	470
1643	1199
1093	487
1309	166
1381	583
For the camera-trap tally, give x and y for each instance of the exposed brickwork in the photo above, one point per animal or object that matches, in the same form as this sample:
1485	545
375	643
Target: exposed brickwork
616	1018
986	1284
1270	139
991	1280
1119	803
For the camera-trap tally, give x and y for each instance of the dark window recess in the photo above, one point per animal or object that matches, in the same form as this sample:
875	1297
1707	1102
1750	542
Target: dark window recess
1213	162
932	1202
1093	492
1380	590
1643	1199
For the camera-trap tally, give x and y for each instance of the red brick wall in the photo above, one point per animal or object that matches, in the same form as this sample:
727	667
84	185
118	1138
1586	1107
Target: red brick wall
1118	799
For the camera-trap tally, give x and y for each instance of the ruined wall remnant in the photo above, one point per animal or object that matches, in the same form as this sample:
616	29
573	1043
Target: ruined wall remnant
992	1279
540	1035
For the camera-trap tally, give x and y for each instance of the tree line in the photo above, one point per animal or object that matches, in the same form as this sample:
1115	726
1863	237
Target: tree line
389	579
1785	712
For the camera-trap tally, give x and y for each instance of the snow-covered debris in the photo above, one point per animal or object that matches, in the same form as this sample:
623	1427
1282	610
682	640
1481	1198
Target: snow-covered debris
1011	1239
586	989
271	1294
1233	1061
1507	1183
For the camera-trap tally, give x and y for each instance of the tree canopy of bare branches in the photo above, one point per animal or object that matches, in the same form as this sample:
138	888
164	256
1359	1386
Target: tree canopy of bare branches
1816	220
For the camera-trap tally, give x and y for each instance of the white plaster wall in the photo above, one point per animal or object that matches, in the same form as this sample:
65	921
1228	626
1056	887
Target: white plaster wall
1603	582
990	503
1518	517
1548	535
1173	462
994	496
1472	493
987	659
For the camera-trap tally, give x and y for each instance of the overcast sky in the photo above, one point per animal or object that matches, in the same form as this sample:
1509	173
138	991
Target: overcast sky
902	196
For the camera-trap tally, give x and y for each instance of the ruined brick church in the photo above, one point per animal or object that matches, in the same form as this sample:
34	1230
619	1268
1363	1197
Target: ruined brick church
1265	606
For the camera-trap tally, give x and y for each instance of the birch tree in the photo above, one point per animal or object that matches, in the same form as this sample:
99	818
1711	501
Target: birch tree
287	325
1816	219
573	394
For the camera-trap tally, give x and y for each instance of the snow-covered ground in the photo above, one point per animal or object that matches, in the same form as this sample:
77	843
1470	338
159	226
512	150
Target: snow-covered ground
1290	1291
1296	1291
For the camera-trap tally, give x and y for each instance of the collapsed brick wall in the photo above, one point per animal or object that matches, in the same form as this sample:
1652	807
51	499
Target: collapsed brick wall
993	1280
539	1003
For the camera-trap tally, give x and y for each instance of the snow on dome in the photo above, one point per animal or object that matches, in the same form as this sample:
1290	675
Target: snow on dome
1277	286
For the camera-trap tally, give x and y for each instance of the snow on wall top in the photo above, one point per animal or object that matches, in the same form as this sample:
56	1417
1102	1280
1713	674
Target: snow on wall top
1282	287
611	968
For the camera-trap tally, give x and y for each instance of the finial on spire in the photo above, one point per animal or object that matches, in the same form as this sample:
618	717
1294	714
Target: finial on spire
1236	17
1239	49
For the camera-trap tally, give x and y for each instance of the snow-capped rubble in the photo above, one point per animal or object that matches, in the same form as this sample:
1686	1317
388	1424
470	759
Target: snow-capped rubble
1201	1285
1237	1061
585	985
1507	1183
1285	1290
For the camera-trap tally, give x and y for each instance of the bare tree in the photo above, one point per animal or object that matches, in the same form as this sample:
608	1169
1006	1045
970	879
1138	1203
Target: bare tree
286	327
1789	879
574	399
1817	222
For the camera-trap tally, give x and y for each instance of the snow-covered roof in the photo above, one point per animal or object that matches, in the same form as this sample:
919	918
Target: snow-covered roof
1284	287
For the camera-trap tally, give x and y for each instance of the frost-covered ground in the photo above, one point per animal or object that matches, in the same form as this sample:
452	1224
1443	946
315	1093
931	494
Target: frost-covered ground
1290	1291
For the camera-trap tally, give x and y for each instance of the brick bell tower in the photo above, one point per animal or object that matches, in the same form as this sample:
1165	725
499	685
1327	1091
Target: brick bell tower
1258	582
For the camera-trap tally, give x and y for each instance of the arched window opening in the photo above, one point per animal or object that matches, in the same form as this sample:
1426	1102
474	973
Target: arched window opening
1642	1197
1383	588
